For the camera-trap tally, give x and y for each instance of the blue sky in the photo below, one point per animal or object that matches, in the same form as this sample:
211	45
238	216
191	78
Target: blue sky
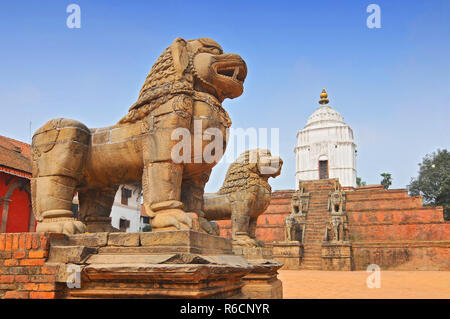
392	85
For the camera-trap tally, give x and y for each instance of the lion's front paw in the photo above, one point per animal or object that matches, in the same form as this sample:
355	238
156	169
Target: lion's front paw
172	219
245	241
210	227
67	226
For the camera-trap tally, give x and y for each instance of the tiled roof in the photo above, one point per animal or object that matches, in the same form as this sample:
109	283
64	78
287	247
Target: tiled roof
15	155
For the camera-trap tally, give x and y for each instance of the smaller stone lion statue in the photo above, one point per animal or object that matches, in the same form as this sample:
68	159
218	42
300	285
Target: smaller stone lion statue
244	195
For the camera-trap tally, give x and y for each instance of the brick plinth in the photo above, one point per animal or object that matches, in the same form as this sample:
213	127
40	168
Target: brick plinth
23	274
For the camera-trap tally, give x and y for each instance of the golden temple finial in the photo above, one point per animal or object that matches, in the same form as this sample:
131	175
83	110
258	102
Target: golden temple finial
324	97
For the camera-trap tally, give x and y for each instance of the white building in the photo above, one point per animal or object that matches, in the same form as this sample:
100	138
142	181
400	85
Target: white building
325	147
126	210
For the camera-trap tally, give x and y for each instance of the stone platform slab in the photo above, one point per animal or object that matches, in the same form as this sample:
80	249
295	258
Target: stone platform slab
166	264
262	282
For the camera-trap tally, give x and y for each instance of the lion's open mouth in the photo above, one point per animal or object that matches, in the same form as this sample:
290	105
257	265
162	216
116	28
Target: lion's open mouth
273	167
234	69
234	72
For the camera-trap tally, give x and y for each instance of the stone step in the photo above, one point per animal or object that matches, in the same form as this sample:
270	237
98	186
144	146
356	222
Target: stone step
317	212
316	223
70	254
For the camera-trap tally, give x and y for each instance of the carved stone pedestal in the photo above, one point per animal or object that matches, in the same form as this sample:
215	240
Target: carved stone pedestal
337	256
167	264
289	253
262	281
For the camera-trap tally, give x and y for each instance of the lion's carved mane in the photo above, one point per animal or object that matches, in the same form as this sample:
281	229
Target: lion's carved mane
242	175
161	85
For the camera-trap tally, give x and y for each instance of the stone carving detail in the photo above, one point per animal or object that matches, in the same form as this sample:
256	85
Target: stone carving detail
188	82
295	222
244	195
337	228
293	229
300	203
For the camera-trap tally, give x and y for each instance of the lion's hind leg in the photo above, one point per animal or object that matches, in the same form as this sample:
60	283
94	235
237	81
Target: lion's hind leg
95	208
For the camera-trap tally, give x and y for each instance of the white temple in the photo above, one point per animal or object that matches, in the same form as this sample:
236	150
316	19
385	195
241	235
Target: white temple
325	147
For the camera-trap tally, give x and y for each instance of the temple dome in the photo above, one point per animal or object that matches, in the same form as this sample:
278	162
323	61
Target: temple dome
325	115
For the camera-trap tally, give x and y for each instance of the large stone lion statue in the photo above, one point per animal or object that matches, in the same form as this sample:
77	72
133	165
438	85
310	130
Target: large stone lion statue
188	82
244	195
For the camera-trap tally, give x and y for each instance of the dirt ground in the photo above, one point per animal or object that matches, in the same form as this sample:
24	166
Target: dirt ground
298	284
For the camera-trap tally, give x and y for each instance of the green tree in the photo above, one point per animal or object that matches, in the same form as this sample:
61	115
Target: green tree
359	182
387	180
433	182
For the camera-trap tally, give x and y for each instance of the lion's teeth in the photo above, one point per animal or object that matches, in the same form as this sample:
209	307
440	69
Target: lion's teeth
236	72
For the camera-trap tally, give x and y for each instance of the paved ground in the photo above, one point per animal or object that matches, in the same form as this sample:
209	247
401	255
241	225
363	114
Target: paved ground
352	284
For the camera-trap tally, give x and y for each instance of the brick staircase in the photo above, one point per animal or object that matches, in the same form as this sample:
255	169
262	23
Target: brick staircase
316	220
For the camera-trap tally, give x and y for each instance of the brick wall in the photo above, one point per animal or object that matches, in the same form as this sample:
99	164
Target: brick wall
387	227
23	273
392	215
395	231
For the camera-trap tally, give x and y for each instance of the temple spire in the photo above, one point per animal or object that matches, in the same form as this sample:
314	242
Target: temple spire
324	97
